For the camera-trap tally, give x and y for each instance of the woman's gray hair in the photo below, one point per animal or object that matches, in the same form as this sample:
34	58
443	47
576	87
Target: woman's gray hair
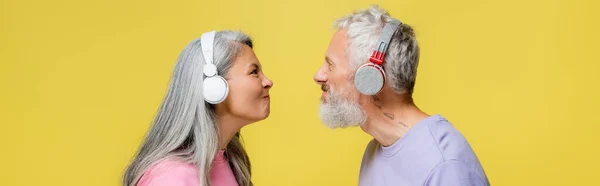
402	57
185	126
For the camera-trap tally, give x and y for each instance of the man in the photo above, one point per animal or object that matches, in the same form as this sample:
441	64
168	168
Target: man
367	80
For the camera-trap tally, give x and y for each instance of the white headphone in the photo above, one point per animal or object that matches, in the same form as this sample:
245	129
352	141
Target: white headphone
215	88
370	77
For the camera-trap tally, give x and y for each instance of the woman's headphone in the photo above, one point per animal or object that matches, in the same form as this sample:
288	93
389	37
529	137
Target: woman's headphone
370	77
215	88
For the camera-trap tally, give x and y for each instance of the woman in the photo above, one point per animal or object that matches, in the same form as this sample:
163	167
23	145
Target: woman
194	139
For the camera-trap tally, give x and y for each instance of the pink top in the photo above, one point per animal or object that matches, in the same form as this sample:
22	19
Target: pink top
171	172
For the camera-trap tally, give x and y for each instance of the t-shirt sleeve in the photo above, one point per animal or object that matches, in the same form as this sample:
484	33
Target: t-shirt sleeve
173	176
454	173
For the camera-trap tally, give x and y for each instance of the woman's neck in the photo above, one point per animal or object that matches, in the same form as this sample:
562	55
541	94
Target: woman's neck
228	126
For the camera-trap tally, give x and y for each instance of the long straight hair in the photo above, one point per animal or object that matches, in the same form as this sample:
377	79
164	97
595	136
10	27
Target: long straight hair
185	126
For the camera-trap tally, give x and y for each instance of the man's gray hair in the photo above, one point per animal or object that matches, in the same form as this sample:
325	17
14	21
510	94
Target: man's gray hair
402	57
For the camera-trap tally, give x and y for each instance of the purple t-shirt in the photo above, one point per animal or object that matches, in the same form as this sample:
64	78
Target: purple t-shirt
433	152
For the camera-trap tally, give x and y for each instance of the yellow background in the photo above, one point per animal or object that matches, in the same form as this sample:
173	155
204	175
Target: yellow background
81	81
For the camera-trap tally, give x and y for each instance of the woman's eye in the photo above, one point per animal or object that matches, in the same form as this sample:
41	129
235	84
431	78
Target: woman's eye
255	71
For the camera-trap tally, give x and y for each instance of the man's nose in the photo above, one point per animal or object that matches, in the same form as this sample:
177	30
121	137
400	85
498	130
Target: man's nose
321	75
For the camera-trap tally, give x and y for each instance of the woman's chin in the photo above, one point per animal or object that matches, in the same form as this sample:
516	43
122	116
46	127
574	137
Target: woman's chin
266	111
264	115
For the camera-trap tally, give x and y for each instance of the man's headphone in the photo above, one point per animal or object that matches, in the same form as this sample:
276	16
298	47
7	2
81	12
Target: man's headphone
215	88
370	77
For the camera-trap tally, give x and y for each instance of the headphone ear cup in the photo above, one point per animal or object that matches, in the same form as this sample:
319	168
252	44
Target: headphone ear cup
215	89
369	79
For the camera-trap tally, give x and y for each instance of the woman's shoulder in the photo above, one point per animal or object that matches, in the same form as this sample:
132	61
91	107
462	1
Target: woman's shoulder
170	172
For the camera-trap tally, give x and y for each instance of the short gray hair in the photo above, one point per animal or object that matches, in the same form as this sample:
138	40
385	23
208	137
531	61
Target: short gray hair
402	57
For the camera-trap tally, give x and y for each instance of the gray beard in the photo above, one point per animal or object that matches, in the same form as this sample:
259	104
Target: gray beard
340	112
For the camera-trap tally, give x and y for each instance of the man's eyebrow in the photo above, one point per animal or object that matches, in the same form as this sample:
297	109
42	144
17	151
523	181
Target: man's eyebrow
329	61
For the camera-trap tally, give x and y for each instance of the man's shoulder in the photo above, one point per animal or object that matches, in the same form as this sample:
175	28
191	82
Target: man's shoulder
450	141
455	150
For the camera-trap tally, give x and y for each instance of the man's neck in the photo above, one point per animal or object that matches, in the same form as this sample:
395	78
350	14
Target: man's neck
388	122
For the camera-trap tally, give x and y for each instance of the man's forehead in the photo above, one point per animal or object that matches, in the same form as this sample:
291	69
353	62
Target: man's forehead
337	46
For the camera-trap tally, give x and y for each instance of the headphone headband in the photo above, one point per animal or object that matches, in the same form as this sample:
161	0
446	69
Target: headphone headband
384	41
207	41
